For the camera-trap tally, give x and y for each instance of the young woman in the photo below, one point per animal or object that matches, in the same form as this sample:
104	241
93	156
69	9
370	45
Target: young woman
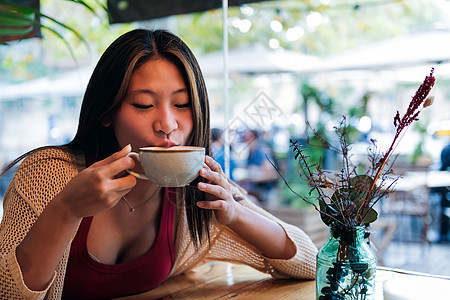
77	226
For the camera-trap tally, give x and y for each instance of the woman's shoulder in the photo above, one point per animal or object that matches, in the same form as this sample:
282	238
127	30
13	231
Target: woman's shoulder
48	153
44	173
48	164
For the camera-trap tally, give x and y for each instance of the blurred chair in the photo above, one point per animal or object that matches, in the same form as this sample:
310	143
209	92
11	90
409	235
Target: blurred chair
444	212
407	207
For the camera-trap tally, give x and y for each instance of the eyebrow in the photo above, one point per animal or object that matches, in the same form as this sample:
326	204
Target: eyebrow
150	92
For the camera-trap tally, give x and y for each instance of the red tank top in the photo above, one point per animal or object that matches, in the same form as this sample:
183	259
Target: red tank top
90	279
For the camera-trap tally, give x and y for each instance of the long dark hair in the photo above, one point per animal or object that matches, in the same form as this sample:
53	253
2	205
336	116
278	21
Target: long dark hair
108	87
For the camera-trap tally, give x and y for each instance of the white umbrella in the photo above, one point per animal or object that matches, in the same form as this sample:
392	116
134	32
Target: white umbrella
257	60
69	84
431	48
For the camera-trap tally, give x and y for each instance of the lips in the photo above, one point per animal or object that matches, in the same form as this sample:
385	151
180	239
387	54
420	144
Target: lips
167	143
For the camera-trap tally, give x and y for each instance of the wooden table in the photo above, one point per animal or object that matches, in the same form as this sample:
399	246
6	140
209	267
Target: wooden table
219	280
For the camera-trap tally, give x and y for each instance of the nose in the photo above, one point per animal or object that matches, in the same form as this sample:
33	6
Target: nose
165	121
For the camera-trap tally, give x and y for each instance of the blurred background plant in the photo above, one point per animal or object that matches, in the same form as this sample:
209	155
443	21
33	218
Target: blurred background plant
48	37
23	19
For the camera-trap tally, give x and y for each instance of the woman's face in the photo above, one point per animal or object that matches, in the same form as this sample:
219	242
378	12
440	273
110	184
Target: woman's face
157	109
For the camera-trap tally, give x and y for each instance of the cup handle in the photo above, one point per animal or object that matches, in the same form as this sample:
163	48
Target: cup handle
137	175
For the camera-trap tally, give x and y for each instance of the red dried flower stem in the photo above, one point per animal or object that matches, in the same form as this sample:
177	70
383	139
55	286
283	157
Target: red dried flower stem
410	116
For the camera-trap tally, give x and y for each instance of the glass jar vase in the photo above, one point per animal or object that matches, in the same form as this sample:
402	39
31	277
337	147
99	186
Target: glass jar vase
345	266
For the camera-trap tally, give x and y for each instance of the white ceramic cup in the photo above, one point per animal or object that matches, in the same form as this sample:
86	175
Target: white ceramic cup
169	166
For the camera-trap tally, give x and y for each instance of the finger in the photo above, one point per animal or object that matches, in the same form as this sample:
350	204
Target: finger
216	205
121	174
215	190
115	156
113	169
124	183
214	165
214	176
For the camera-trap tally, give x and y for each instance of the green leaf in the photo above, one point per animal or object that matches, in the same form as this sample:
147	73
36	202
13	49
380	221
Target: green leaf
361	182
360	186
338	196
328	209
369	216
9	19
15	20
18	15
322	203
15	31
361	178
11	8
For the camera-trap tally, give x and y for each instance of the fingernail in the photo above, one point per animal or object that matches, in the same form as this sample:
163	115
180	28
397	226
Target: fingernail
201	185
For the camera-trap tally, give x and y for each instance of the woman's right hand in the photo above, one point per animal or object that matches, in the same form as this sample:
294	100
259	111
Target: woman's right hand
99	187
95	189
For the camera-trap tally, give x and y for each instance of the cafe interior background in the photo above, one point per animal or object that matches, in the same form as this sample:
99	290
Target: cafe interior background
288	63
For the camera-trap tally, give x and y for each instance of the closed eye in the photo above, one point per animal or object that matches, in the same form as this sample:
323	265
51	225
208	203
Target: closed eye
141	106
183	105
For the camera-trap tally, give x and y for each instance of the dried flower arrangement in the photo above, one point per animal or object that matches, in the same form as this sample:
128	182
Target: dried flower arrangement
345	266
353	195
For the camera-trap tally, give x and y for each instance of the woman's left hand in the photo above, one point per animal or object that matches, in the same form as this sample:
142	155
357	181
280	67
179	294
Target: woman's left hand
266	235
219	192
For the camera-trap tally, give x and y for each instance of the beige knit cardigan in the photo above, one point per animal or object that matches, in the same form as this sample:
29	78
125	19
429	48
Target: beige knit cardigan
43	175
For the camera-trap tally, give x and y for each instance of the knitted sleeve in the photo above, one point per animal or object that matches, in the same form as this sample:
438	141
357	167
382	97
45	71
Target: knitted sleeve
40	177
230	247
227	246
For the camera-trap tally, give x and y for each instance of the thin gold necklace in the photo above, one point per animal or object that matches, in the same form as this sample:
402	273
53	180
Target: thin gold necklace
139	205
